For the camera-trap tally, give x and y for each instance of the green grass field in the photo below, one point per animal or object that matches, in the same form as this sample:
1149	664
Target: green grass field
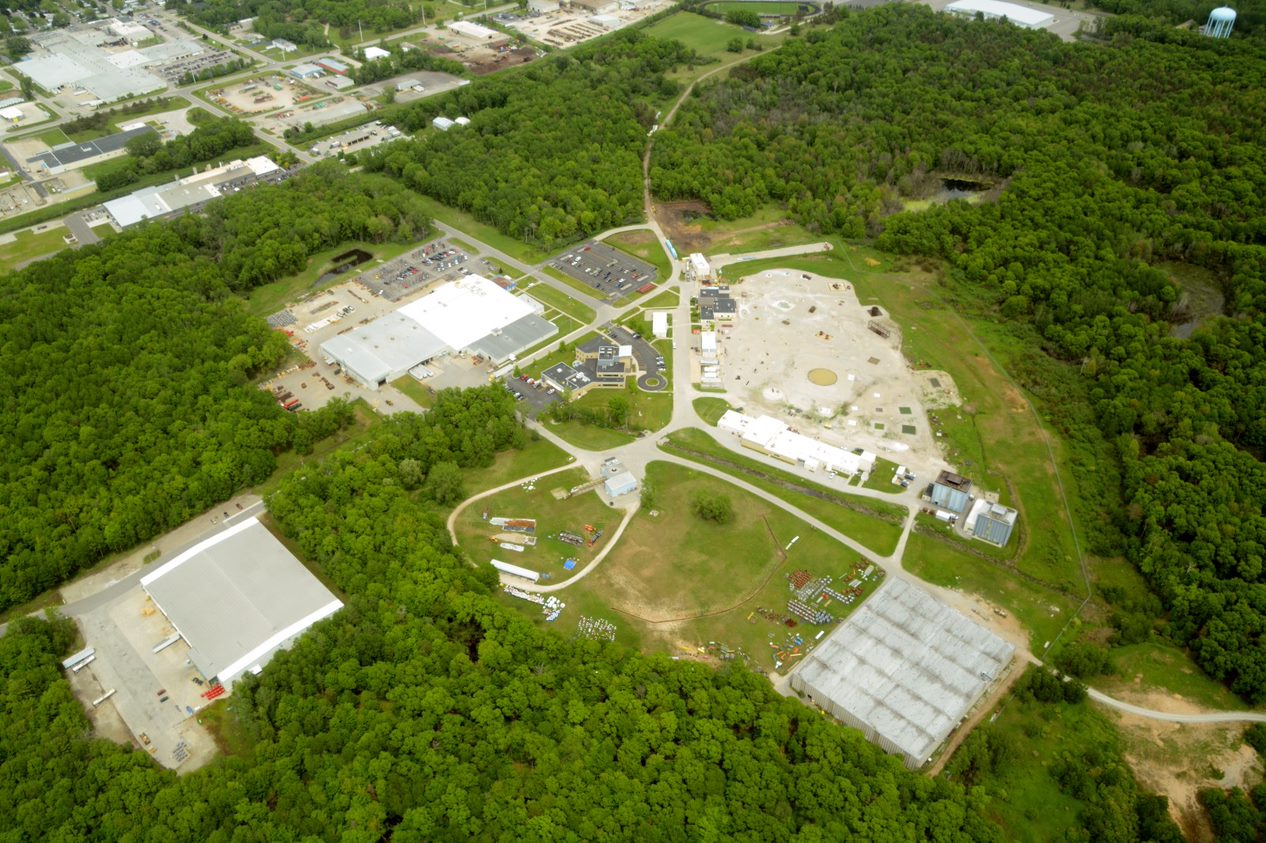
710	409
1042	612
547	295
706	36
1027	801
1155	664
29	246
760	7
674	581
538	455
53	137
644	245
552	517
418	392
666	299
875	524
588	437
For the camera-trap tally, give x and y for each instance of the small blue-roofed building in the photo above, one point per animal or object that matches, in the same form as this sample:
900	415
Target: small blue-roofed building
952	492
623	483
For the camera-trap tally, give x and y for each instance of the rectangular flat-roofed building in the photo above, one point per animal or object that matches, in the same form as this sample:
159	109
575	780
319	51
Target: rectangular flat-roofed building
472	315
905	669
237	598
1019	15
991	522
951	491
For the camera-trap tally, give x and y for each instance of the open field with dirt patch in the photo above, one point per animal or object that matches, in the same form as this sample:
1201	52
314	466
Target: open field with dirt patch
676	582
542	549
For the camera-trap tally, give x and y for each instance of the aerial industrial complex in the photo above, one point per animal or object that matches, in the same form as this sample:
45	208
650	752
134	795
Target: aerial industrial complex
191	191
470	316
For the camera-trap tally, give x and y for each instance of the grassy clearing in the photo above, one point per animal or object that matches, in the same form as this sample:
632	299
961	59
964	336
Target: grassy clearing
875	524
537	456
646	246
768	228
1027	801
647	410
571	515
53	137
463	245
418	392
710	409
482	231
675	581
666	299
559	300
760	7
1157	665
30	245
1042	612
274	296
880	478
225	727
706	36
588	437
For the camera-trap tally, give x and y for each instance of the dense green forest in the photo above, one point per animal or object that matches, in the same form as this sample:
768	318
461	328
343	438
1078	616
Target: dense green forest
553	153
1109	160
1250	16
302	21
426	711
125	394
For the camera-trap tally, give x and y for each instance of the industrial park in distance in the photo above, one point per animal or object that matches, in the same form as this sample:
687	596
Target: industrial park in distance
632	420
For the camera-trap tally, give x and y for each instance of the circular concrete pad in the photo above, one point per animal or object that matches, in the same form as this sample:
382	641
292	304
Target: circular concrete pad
823	377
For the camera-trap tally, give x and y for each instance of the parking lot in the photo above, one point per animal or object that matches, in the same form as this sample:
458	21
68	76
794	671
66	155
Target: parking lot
436	261
531	395
613	274
649	359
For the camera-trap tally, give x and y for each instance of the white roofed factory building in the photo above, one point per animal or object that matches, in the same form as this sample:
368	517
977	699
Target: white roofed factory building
237	598
469	316
1022	16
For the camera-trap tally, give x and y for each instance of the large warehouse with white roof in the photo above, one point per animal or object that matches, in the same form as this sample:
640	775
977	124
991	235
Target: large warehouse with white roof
997	10
904	669
237	598
471	315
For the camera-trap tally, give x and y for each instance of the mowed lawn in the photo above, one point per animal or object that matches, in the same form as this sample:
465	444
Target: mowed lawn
676	581
537	456
559	300
644	245
28	246
760	7
876	524
552	516
706	36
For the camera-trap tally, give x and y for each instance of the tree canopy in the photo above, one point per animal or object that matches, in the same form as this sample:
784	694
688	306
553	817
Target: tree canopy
426	710
125	368
1111	164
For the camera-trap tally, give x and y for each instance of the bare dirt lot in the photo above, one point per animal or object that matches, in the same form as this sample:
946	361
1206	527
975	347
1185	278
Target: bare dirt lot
804	348
1177	760
261	94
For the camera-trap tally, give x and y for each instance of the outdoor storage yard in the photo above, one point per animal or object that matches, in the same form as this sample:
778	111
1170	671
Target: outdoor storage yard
666	585
568	27
803	347
262	93
556	524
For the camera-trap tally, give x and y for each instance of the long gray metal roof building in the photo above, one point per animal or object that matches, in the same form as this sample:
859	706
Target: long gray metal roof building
904	669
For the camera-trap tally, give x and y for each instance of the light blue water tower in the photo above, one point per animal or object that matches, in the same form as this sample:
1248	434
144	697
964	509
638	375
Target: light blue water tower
1221	22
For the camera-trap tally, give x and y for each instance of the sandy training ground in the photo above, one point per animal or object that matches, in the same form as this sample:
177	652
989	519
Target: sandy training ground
805	349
